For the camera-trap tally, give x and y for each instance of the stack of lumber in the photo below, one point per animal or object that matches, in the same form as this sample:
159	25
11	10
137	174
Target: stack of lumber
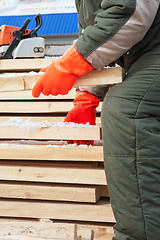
41	176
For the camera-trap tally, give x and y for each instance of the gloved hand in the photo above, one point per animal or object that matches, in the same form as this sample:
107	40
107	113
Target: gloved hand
61	74
84	111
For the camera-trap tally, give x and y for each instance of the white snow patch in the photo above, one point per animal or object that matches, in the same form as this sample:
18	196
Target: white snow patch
29	126
25	126
47	144
66	124
18	121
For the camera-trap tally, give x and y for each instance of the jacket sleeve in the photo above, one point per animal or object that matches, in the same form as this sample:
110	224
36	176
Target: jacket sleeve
97	90
119	25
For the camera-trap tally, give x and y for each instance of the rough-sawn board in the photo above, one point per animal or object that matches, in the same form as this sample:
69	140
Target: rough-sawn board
58	132
100	212
26	81
49	151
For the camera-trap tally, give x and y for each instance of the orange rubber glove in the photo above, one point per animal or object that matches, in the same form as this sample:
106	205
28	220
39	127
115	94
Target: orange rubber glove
61	74
84	111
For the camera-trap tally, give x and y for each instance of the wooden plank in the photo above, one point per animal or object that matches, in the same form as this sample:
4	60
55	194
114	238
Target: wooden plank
49	118
26	81
54	230
35	107
7	83
24	64
99	212
95	77
27	95
57	192
50	151
99	232
17	238
46	173
30	130
38	107
80	233
24	229
56	164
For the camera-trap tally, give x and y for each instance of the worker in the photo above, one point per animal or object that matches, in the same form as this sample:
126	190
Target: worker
126	32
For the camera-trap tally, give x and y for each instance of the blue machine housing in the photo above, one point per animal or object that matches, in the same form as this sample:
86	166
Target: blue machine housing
53	24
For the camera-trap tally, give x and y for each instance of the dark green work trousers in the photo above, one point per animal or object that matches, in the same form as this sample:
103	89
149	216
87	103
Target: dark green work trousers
131	138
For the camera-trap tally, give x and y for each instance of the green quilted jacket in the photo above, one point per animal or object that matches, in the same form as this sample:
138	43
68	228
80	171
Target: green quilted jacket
128	32
117	31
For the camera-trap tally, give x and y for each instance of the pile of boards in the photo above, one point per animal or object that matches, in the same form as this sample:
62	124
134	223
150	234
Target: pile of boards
49	189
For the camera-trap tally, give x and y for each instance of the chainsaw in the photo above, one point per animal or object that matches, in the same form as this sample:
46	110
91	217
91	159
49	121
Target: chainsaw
21	42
